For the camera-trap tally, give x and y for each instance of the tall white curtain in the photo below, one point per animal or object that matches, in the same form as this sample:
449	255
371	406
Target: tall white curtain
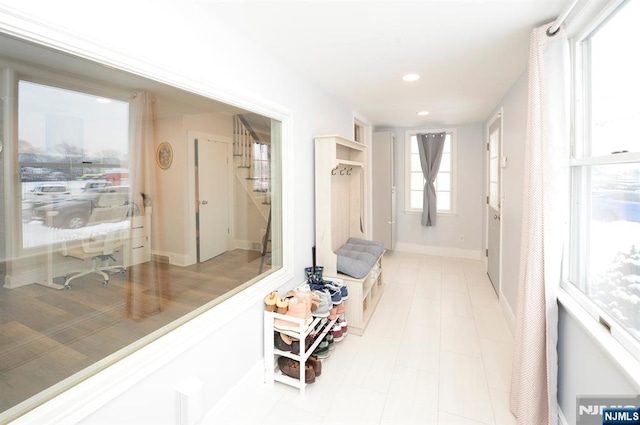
144	291
142	149
533	397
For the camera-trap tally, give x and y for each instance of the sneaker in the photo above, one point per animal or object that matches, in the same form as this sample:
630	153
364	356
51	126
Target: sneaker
342	287
333	313
325	303
336	297
343	325
336	331
291	368
322	350
299	309
329	339
308	298
341	308
303	291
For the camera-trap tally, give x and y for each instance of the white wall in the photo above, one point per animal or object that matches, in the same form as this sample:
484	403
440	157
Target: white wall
176	42
443	239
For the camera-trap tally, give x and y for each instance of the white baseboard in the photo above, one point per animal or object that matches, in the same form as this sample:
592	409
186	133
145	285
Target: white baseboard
440	251
561	419
508	313
248	245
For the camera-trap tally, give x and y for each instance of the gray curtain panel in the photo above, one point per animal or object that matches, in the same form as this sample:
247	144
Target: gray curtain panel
430	147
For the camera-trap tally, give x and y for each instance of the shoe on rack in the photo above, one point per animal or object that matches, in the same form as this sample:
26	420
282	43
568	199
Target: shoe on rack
343	325
342	287
336	296
270	301
341	308
295	344
322	350
316	364
282	305
336	331
299	309
308	297
304	291
291	368
325	303
333	313
330	342
281	341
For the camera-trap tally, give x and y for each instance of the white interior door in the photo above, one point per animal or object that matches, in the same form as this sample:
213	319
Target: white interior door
212	196
493	216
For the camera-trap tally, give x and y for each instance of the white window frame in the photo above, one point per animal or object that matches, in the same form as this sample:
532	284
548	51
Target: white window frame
453	168
614	338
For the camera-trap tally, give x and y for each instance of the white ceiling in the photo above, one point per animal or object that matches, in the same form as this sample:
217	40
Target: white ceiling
468	52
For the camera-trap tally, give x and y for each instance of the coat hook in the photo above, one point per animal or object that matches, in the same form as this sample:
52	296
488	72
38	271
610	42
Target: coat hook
342	171
333	171
349	171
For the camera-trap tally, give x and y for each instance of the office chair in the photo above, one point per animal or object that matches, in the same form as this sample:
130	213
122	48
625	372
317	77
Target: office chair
99	249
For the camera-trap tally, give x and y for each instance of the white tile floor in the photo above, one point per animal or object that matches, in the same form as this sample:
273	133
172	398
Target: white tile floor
437	351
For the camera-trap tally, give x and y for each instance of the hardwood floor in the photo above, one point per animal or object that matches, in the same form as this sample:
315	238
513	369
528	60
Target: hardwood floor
48	335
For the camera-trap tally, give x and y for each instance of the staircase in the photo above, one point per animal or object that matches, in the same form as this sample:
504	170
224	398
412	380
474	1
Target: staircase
252	155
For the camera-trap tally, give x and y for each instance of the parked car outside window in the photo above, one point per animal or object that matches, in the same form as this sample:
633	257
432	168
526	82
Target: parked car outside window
47	192
75	212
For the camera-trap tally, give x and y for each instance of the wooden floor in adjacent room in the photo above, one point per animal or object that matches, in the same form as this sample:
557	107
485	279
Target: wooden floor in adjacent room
47	335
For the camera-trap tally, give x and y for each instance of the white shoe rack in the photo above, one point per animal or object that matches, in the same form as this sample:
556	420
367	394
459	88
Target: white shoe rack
271	354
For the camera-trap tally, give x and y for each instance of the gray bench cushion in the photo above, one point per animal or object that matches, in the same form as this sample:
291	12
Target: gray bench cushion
357	257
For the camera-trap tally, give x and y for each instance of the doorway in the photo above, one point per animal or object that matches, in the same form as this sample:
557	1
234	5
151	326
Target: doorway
494	200
212	198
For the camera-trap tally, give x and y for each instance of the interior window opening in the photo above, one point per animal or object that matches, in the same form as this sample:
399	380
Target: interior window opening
137	203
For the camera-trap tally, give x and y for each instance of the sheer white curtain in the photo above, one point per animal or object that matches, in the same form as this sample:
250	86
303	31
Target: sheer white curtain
142	149
533	396
144	292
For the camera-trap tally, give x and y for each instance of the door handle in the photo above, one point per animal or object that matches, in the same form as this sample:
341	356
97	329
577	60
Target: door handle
496	217
205	202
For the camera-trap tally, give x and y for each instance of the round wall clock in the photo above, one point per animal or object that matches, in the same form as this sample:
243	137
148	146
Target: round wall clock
164	155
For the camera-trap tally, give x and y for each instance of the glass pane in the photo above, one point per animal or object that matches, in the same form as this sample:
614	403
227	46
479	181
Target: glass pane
417	181
80	152
444	201
73	147
615	86
493	194
445	162
415	163
443	182
613	256
447	144
416	199
414	145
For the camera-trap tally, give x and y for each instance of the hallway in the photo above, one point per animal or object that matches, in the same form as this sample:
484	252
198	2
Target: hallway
437	351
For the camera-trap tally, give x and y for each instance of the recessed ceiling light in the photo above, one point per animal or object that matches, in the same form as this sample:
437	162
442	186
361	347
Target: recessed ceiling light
410	77
423	113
